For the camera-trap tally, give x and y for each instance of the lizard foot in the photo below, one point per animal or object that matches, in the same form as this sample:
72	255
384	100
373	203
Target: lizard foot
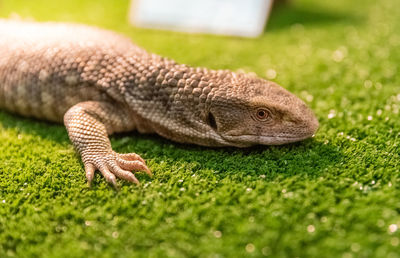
116	165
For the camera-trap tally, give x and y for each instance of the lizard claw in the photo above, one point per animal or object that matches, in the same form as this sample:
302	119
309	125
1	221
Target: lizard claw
117	165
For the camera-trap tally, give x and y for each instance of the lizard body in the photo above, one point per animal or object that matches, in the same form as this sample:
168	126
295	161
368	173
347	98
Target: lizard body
98	83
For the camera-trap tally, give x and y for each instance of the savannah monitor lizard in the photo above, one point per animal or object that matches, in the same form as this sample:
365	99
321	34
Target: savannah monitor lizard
99	83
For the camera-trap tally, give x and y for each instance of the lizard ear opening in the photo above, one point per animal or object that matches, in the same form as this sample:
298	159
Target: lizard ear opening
211	121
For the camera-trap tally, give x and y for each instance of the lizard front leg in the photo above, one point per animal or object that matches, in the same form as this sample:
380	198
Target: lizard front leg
88	125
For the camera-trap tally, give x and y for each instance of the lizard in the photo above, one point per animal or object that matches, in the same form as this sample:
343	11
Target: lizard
98	82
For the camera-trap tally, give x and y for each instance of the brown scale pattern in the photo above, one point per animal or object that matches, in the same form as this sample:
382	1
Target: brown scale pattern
99	83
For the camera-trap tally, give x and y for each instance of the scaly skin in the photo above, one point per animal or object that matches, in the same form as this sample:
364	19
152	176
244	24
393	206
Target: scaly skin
99	83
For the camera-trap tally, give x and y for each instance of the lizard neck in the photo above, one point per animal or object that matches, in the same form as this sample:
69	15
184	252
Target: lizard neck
172	99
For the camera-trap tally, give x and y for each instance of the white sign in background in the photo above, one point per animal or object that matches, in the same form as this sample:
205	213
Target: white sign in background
245	18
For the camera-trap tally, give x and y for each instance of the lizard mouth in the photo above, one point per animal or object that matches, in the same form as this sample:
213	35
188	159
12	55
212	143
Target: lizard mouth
248	140
245	140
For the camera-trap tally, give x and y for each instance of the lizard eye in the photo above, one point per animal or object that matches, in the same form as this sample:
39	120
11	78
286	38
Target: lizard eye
262	114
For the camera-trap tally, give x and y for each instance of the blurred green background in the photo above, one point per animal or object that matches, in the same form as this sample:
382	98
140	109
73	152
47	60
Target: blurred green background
336	195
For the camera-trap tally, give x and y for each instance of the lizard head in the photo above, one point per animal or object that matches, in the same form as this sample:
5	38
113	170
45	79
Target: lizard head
220	108
246	110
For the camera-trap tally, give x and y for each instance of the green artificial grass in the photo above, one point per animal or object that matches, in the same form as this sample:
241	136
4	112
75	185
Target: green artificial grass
336	195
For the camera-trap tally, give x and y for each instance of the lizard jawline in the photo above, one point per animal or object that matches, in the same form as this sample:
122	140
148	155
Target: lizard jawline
246	140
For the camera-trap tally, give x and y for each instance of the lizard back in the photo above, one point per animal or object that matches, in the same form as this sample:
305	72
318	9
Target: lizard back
46	68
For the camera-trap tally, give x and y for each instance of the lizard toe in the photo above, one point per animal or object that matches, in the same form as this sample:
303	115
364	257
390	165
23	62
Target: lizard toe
136	165
108	175
123	174
89	170
131	157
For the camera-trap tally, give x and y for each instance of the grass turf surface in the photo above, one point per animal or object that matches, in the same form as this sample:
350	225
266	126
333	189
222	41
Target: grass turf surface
334	195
